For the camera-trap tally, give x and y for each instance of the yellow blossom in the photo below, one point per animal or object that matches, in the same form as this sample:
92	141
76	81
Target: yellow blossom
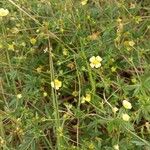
133	80
3	12
45	94
84	2
65	52
95	61
115	109
11	47
19	96
39	69
56	84
116	147
125	117
86	98
33	41
91	146
126	104
113	69
75	93
131	43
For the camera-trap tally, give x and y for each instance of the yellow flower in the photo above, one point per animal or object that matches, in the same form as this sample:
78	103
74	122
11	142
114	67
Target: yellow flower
33	41
91	146
86	98
115	109
65	52
19	96
116	147
3	12
95	61
126	104
56	84
75	93
11	47
39	69
84	2
131	43
45	94
133	80
125	117
113	69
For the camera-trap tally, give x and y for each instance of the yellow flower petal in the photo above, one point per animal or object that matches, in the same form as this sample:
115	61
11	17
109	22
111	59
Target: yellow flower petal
92	59
98	58
98	65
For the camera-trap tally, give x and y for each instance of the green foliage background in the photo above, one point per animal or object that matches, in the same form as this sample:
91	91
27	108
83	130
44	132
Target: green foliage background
41	40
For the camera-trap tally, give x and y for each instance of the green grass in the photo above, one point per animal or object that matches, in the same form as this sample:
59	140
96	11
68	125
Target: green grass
44	40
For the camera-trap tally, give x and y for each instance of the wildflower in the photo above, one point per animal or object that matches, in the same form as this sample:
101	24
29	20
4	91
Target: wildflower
86	98
3	12
33	41
125	117
131	43
91	146
84	2
115	109
45	94
56	84
19	96
11	47
126	104
65	52
75	93
133	80
113	69
39	69
95	61
116	147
